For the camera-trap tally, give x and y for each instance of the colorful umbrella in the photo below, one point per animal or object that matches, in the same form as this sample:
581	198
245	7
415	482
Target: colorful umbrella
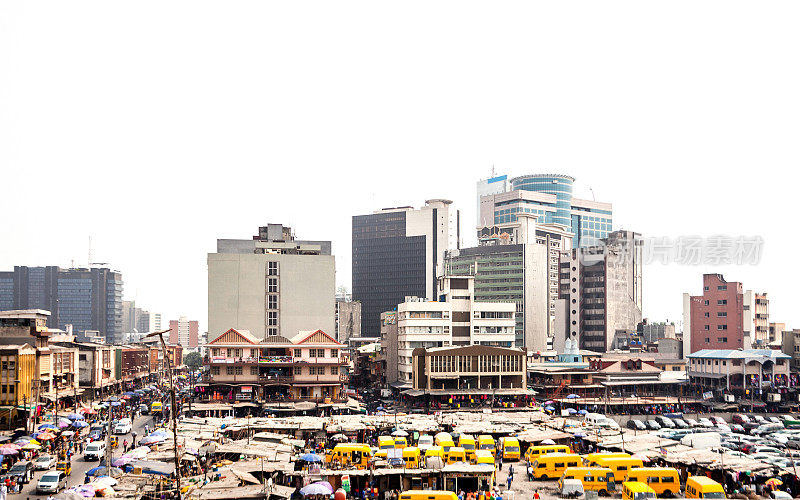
80	424
31	446
774	482
45	436
123	460
311	457
8	451
318	488
47	426
75	416
88	411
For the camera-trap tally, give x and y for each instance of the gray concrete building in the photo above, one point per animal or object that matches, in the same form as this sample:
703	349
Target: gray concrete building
348	319
271	285
601	291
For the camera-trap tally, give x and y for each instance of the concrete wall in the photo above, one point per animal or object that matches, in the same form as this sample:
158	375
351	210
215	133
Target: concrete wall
237	293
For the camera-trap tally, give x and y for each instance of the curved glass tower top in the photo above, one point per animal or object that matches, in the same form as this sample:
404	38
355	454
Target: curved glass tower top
557	184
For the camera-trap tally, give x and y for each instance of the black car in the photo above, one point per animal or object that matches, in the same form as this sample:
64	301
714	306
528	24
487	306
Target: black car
22	470
793	443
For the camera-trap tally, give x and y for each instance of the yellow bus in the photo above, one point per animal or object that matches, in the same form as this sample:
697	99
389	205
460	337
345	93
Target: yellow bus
534	451
634	490
590	460
703	487
663	480
155	407
468	443
350	454
600	479
553	465
456	454
486	442
435	451
400	442
385	443
444	440
510	448
483	457
428	495
411	457
620	466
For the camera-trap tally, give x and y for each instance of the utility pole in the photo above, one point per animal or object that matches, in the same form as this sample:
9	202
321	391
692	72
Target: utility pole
174	412
109	454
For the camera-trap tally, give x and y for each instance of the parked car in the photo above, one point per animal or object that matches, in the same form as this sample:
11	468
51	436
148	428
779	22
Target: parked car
794	443
95	450
759	419
636	425
692	422
770	450
665	422
706	423
775	420
652	425
23	470
740	419
717	420
144	409
124	426
680	424
52	482
44	462
737	428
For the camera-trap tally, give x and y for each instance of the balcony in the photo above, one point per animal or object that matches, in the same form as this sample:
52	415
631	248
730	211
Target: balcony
275	379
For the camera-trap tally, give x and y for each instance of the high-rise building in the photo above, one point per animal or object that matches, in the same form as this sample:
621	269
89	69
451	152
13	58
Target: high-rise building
518	262
601	292
271	285
758	317
455	319
723	317
184	332
485	187
87	299
549	197
136	319
399	252
348	320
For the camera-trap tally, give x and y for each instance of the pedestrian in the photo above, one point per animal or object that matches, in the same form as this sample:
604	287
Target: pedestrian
125	446
536	495
3	491
500	461
508	480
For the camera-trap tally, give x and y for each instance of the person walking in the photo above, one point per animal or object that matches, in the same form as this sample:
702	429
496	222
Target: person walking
508	481
125	446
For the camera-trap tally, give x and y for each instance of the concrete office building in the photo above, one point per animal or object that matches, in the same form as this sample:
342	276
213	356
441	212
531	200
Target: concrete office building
485	187
518	262
87	299
548	196
455	319
601	292
399	252
348	320
184	332
271	285
725	316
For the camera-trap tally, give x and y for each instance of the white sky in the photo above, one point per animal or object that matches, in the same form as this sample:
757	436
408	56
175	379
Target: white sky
157	127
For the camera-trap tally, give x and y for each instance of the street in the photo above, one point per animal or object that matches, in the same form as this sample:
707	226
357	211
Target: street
81	466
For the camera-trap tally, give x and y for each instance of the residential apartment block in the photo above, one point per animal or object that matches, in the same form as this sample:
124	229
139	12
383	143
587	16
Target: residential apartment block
310	366
184	332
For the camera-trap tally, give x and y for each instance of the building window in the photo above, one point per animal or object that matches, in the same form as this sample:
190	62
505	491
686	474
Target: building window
706	327
272	332
334	370
297	353
238	370
312	370
215	370
705	314
705	302
272	268
334	353
298	370
722	327
272	286
722	314
722	287
708	340
722	339
229	370
272	301
272	318
253	370
320	370
722	302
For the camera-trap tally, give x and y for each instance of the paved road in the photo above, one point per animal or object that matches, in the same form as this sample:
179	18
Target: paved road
81	466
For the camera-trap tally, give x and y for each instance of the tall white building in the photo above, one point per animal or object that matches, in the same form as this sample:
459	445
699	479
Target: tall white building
455	319
271	285
493	185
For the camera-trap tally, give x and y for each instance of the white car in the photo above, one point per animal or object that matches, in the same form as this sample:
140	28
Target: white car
95	451
123	427
44	462
706	423
51	482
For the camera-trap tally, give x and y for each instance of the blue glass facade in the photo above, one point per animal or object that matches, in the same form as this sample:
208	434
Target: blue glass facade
75	304
585	223
6	293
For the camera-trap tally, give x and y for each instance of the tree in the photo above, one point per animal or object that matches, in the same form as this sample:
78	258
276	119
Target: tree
193	360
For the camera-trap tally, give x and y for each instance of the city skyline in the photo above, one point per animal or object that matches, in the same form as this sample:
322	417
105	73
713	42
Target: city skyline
674	155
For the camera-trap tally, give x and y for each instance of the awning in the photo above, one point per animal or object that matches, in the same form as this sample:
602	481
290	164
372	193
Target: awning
640	382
